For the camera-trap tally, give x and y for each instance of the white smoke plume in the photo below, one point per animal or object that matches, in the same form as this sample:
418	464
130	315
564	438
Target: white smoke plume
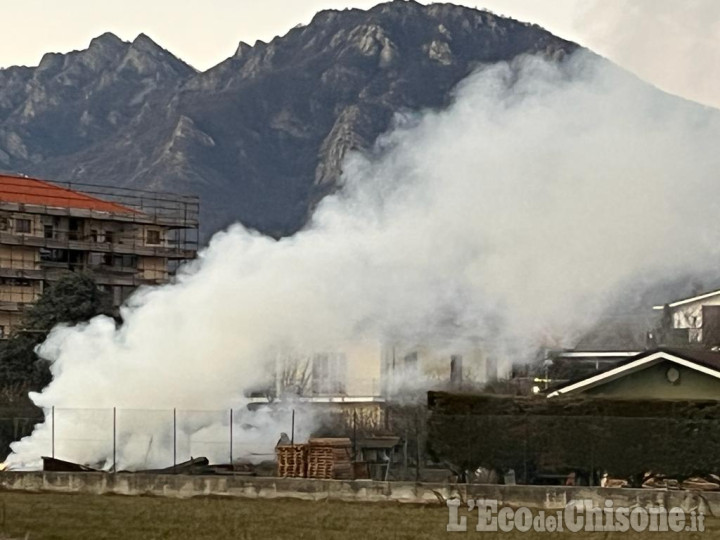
510	218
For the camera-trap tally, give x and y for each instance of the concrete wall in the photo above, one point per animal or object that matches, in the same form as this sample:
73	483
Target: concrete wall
153	268
19	257
538	497
12	291
8	320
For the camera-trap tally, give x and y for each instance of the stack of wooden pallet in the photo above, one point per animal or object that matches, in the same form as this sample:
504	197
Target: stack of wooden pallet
329	458
291	460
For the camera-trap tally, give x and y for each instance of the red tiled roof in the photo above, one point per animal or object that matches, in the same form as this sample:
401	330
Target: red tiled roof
19	189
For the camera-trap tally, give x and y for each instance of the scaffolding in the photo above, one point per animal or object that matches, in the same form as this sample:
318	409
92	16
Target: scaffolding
124	237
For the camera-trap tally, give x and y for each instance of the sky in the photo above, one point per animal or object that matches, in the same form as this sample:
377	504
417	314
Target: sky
670	43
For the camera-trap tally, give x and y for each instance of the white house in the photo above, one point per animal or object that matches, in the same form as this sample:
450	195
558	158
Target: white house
373	371
697	316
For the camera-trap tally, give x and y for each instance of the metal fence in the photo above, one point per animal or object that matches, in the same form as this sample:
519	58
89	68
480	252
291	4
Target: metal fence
137	439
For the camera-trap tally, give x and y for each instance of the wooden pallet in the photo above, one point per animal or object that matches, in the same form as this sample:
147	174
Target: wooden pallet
329	459
291	460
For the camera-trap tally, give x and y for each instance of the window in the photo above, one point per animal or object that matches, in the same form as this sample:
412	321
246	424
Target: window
329	373
120	261
96	259
48	231
109	237
76	259
4	224
54	255
126	261
15	282
411	363
23	226
74	229
153	237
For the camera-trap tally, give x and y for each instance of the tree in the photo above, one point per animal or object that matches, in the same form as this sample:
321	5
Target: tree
73	299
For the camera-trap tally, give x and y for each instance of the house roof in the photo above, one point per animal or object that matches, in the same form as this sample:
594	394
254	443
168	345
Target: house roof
596	354
707	362
18	189
684	301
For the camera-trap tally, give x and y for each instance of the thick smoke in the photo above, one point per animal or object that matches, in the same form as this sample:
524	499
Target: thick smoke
510	219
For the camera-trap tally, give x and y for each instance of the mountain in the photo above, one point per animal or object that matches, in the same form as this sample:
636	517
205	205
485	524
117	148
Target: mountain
261	136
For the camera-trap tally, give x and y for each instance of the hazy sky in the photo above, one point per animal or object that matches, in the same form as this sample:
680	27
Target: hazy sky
672	43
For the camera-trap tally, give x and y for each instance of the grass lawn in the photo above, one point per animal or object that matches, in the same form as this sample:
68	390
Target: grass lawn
24	515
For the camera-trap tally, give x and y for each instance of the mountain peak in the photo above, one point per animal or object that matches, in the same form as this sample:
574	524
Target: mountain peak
146	44
107	41
104	50
243	48
397	4
145	53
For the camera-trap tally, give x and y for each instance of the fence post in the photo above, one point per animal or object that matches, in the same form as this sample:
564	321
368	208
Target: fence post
174	437
292	429
354	433
418	458
114	468
405	456
231	436
53	432
525	452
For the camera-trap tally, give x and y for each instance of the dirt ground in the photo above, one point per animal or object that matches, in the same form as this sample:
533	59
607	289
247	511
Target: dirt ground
35	516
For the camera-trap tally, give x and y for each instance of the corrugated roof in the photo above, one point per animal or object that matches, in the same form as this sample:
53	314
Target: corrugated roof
18	189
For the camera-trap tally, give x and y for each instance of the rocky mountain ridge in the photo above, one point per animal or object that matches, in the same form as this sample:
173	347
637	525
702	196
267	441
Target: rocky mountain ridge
260	137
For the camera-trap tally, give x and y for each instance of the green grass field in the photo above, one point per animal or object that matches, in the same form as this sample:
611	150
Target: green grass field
32	516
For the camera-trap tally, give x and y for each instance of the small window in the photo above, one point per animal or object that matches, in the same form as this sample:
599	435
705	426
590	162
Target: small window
54	255
329	373
15	282
93	235
74	229
109	237
23	226
124	261
411	362
48	231
153	237
95	259
4	224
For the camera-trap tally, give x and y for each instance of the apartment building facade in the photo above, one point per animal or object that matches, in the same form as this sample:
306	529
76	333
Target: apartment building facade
124	238
370	370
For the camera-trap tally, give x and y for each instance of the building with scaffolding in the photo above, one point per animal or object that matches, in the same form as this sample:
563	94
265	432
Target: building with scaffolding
123	237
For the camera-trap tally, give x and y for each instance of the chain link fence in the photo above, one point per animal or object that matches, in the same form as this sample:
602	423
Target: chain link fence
139	439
